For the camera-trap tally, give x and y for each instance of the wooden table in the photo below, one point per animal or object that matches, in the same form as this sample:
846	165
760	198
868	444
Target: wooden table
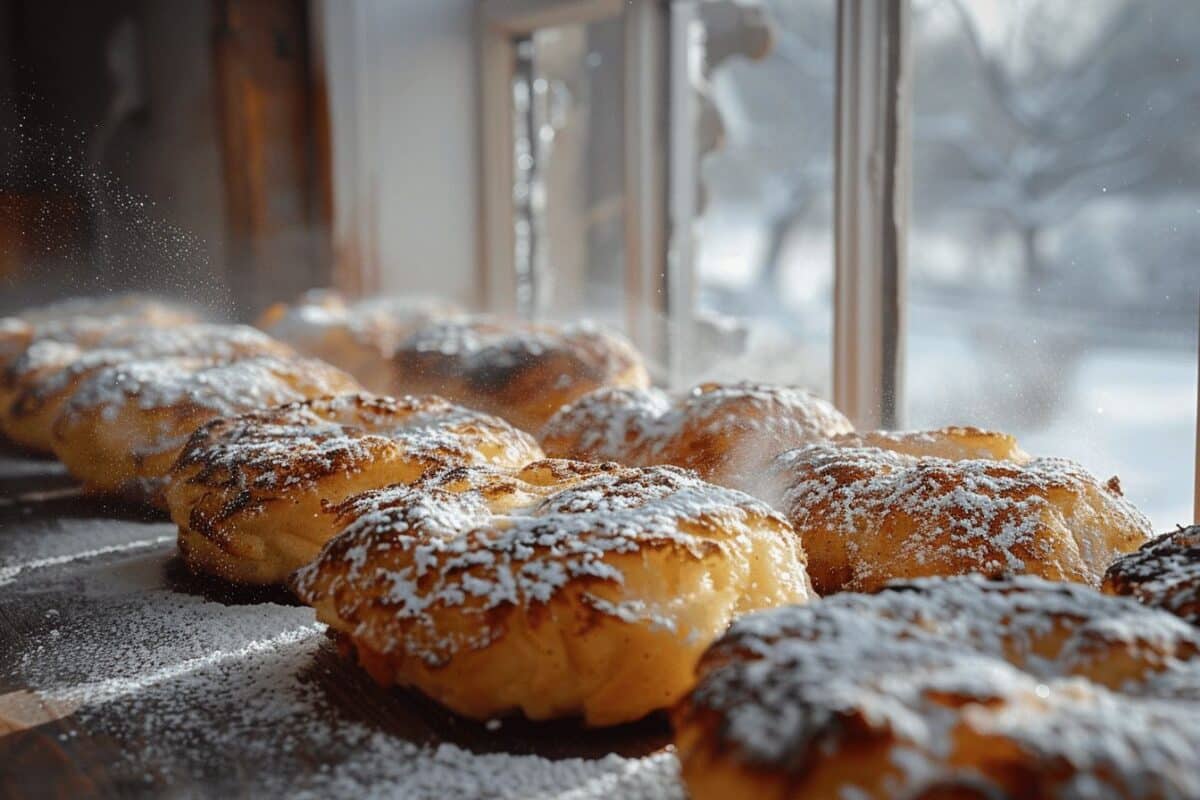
121	674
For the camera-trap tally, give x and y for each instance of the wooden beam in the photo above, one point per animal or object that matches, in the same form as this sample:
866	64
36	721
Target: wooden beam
277	221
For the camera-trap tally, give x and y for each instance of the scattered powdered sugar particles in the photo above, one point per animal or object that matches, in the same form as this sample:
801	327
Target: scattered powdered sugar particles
121	674
83	232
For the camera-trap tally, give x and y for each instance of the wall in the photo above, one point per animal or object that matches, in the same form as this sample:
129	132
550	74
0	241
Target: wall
401	81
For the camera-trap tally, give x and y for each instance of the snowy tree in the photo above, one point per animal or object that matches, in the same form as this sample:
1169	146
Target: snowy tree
1035	110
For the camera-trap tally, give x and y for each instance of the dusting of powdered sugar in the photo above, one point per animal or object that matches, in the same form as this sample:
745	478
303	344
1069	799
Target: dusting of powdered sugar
377	322
48	367
983	512
475	538
1024	659
295	445
609	424
1164	573
727	432
474	347
127	306
186	695
85	320
220	387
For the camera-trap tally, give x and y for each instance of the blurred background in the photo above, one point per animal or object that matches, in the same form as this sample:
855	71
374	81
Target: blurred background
1054	246
237	152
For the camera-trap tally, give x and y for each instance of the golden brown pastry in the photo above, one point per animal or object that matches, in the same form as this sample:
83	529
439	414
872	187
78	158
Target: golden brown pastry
361	336
37	384
123	427
1164	573
84	320
252	494
955	443
867	516
948	688
729	433
519	371
563	589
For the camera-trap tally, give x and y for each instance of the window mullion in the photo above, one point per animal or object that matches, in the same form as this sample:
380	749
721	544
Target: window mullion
872	157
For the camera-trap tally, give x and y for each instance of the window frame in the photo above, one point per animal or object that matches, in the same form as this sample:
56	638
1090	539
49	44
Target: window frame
872	188
658	199
872	185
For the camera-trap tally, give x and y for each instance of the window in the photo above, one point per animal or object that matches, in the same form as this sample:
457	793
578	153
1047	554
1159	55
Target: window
567	191
1040	282
1056	207
764	251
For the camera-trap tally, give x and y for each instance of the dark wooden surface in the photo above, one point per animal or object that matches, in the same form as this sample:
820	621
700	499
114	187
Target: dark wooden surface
101	696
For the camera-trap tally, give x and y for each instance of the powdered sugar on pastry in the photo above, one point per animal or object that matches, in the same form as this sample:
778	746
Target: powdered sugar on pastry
217	386
124	426
727	432
522	372
1164	573
465	569
868	515
1016	687
360	336
251	493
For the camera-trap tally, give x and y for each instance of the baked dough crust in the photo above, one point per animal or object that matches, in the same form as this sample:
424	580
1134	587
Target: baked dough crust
38	383
948	687
868	516
1164	573
252	494
125	425
358	336
728	433
522	372
564	589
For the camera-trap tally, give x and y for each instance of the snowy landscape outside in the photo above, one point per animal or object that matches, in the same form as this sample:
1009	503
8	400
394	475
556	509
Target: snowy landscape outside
1053	281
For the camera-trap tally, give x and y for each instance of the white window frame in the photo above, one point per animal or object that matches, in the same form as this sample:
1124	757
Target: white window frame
872	169
659	192
872	184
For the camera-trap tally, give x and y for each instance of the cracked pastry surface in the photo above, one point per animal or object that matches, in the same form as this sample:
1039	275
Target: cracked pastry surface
34	388
948	687
867	516
523	372
729	433
359	336
124	426
562	589
252	494
1164	572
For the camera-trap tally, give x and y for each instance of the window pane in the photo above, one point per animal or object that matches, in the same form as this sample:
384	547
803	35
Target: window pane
1056	217
568	190
764	266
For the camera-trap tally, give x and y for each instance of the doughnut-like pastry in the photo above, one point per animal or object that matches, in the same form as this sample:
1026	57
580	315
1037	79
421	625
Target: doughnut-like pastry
133	306
35	387
1164	573
84	320
564	589
359	337
729	433
123	427
522	372
948	688
251	494
867	516
955	443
